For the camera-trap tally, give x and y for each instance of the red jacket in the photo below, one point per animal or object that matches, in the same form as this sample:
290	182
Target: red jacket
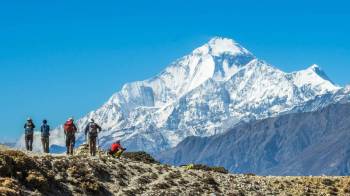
115	147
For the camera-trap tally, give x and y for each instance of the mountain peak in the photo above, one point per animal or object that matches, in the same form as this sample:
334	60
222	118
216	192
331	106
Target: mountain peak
318	71
314	67
217	39
218	46
316	77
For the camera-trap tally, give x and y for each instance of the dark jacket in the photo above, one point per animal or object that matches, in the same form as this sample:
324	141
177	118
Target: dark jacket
45	130
93	129
29	128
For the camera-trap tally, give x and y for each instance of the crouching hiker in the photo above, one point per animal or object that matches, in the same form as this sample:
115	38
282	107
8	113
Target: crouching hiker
116	149
29	134
69	130
45	135
92	129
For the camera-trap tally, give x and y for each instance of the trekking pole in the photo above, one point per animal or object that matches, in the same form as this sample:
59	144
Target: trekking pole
98	140
65	140
98	143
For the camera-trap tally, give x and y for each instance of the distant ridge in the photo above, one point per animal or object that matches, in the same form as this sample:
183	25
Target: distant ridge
311	143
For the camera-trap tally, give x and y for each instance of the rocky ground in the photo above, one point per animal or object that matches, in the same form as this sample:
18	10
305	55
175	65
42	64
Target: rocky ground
23	173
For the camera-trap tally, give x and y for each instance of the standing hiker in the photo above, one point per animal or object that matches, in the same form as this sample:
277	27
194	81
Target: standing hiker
116	149
69	130
29	134
45	135
92	129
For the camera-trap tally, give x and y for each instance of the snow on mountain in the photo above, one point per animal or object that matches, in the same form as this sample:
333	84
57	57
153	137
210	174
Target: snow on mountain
201	94
341	96
314	77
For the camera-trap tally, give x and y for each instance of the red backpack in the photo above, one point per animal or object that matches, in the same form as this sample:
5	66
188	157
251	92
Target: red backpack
69	127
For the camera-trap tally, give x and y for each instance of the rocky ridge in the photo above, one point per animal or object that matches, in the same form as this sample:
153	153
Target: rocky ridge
24	173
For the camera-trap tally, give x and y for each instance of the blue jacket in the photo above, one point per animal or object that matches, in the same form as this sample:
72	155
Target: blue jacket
45	130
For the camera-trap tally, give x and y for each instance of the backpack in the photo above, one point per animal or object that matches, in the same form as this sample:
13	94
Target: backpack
45	130
93	130
69	128
29	129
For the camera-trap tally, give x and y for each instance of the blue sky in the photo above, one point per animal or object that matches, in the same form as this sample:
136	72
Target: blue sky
66	58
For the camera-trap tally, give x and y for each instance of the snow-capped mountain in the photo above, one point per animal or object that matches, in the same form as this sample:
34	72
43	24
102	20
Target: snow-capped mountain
201	94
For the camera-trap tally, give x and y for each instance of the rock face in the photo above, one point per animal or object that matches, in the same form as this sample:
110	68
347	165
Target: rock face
202	94
313	143
37	174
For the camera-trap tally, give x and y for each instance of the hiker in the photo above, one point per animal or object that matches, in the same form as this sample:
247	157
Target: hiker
45	135
116	149
69	130
92	129
29	134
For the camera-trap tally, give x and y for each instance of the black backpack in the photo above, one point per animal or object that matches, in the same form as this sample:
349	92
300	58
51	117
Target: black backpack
93	130
29	128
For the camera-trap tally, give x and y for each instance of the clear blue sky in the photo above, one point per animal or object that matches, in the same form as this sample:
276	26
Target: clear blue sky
66	58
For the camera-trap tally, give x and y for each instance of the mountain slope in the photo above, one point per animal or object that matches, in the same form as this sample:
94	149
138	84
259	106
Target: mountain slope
312	143
202	94
37	174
